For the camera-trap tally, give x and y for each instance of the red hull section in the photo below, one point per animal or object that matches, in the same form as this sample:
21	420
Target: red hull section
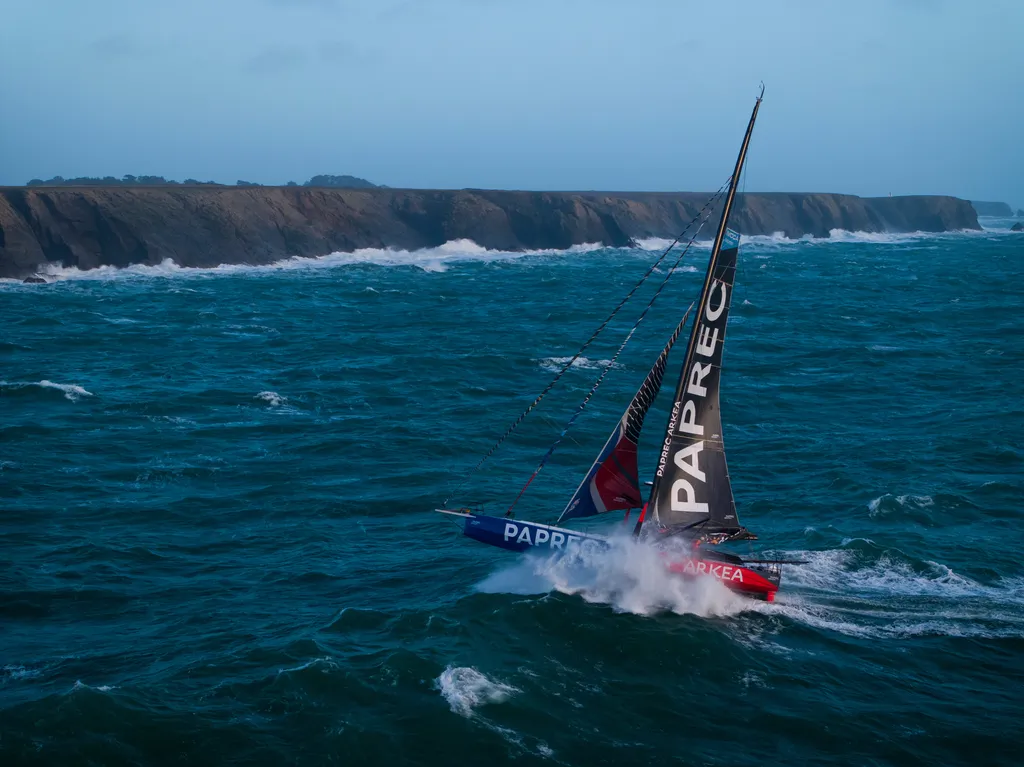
760	584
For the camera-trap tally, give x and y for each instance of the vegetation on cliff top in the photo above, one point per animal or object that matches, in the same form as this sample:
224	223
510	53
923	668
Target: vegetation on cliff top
342	182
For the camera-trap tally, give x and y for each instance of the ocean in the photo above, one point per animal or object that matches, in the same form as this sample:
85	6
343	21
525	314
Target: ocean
216	495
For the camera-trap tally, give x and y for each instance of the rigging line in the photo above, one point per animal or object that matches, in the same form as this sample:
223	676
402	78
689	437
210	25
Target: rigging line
611	363
589	341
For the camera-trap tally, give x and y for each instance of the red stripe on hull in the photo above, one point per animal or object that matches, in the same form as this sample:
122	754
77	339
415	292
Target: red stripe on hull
735	577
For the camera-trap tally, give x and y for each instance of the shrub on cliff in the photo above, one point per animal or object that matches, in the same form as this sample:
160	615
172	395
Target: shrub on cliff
342	182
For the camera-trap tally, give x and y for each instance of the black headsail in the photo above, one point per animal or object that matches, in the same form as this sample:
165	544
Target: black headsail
691	493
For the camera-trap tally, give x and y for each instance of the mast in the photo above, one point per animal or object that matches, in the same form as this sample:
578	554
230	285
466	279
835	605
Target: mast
691	489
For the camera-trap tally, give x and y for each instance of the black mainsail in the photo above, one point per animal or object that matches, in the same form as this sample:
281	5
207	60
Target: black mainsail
691	492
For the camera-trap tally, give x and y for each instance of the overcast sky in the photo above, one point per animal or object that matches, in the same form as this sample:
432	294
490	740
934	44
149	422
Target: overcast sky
868	97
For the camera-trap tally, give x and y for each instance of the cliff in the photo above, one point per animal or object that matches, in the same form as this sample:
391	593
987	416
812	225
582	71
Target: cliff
207	226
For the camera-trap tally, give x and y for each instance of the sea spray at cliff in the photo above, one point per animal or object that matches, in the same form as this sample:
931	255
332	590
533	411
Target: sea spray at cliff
227	552
204	226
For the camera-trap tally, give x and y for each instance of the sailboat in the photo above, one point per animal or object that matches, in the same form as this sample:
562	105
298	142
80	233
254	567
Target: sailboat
690	499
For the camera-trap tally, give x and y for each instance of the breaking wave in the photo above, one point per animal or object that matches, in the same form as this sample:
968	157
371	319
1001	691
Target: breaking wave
887	503
555	364
72	392
272	398
428	259
439	258
466	689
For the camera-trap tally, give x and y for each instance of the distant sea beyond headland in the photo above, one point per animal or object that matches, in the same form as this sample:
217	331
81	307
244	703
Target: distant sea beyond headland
208	225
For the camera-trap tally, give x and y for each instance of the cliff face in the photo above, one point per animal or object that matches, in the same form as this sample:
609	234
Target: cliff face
207	226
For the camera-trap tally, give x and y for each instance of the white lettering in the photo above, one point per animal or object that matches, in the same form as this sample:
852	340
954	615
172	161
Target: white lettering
557	539
714	315
525	536
510	530
687	460
702	567
541	536
688	422
737	575
697	374
706	347
688	504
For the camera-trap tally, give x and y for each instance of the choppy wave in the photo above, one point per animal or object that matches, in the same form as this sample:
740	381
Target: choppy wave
272	398
71	392
229	546
555	364
466	689
884	503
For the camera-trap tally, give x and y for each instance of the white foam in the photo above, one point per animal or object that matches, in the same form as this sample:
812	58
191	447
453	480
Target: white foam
779	239
72	392
907	501
439	258
272	398
629	575
660	244
889	598
428	259
555	364
325	661
466	689
80	685
837	571
17	673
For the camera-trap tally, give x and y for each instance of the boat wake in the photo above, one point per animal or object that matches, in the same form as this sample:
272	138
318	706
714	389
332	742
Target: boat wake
628	575
839	590
887	597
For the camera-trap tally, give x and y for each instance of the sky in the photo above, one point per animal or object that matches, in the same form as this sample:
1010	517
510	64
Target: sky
870	97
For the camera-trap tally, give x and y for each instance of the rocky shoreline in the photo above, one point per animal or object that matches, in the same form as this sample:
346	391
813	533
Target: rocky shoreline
203	226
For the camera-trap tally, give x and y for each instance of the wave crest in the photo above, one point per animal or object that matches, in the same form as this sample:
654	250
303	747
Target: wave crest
466	689
72	392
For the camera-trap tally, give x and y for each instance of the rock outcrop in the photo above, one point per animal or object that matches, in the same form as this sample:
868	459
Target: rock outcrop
206	225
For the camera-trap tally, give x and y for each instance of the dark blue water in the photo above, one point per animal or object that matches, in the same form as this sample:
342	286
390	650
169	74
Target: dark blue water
218	545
